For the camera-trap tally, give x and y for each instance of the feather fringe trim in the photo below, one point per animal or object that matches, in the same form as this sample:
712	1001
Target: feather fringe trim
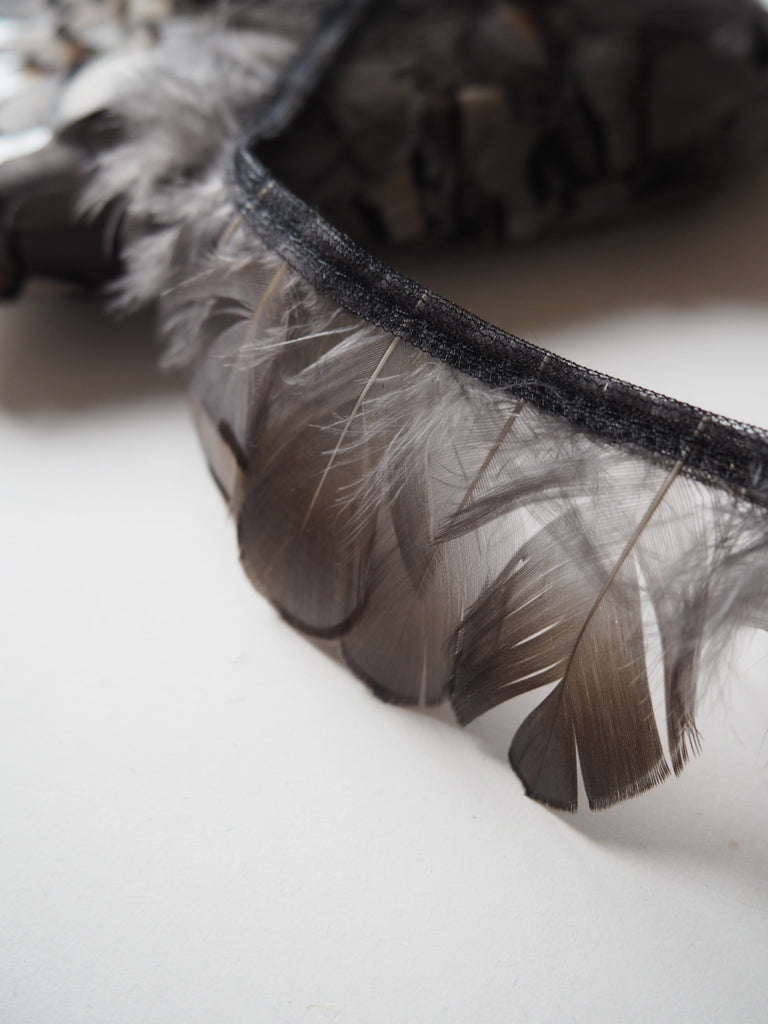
454	540
458	542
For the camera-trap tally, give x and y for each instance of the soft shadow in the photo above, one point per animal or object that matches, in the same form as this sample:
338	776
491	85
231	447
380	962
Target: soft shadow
684	818
711	249
60	351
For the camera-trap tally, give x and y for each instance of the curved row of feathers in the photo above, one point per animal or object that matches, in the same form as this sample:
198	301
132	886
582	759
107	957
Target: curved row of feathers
457	542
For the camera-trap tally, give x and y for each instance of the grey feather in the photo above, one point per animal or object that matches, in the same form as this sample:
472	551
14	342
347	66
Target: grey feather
369	510
454	540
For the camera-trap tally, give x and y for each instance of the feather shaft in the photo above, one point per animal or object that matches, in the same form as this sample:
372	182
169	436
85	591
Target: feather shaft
226	238
628	734
472	487
355	409
270	290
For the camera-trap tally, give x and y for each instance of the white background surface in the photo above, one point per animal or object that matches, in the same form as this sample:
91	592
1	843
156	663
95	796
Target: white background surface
204	819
